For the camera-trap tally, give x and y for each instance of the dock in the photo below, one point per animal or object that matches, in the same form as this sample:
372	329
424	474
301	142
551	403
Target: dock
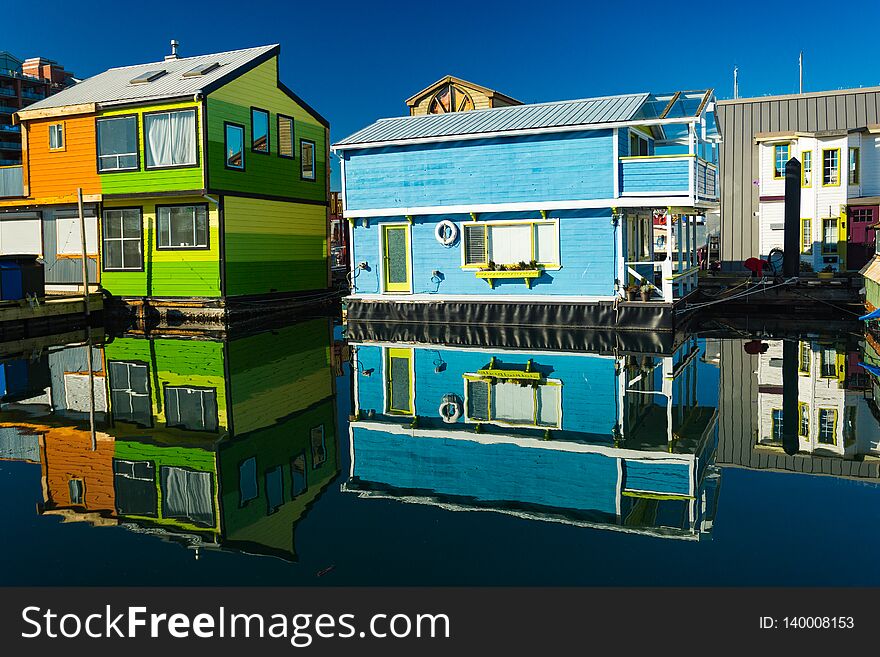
30	318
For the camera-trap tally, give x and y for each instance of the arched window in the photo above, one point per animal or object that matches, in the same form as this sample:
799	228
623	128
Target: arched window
450	99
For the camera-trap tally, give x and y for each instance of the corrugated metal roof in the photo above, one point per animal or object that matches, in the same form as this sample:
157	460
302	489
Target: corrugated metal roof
114	85
567	113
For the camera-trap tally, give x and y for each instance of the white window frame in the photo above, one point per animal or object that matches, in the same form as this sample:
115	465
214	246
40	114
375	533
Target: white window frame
56	133
511	222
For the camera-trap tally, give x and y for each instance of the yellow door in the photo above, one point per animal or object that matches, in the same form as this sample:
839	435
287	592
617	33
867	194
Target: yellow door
396	258
399	381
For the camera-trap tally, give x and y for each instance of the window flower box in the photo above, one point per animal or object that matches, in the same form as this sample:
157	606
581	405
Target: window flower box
490	276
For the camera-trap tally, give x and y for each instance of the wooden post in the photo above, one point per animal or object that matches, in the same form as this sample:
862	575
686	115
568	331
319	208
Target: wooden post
85	261
85	279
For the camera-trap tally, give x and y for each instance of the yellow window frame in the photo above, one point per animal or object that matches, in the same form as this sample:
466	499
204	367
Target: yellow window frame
833	426
804	182
388	286
486	235
490	399
831	150
787	148
806	231
805	371
773	421
853	165
405	354
803	412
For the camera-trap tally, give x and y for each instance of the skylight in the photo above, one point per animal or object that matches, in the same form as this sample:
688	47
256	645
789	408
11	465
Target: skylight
201	69
148	76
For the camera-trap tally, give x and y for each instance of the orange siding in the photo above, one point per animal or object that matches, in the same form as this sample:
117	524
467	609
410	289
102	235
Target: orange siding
68	455
54	176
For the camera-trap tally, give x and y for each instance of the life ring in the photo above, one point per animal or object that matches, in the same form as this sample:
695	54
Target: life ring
446	232
450	408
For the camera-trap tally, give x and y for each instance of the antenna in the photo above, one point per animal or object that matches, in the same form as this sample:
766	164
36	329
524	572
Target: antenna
736	82
801	72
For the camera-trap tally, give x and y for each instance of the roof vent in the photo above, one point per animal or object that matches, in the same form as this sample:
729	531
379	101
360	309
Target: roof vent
148	76
173	54
201	69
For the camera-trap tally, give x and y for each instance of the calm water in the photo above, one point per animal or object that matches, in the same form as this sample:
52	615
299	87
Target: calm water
300	456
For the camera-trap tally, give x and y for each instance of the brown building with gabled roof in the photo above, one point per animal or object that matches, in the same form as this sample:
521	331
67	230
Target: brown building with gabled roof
452	94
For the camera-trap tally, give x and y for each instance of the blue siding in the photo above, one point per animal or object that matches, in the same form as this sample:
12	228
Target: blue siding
657	477
587	252
651	176
589	383
487	473
556	167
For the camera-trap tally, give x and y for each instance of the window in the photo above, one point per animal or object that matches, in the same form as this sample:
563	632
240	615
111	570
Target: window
182	227
134	487
285	136
76	491
511	243
187	495
298	476
803	420
234	146
170	139
806	235
827	425
805	357
319	447
510	402
850	413
829	236
117	143
68	235
194	409
130	392
807	169
22	232
828	362
399	381
307	161
853	166
274	489
638	145
777	424
247	481
859	215
780	159
831	166
123	240
56	137
259	130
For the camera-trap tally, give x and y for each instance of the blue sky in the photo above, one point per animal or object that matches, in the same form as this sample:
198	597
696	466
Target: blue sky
358	61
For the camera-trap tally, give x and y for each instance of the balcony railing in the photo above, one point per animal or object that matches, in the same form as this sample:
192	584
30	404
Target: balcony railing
11	181
6	91
668	175
9	128
10	145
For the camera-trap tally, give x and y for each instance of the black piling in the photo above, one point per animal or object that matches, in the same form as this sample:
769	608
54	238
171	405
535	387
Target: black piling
790	419
791	263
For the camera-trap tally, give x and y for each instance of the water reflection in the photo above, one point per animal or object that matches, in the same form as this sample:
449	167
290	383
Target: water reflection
611	440
212	443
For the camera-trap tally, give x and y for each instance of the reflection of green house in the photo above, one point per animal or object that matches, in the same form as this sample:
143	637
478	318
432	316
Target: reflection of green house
230	440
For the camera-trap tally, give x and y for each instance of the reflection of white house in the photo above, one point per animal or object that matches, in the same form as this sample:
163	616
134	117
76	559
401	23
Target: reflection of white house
840	170
832	419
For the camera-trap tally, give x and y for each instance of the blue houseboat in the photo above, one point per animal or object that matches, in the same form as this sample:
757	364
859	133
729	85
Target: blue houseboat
617	442
531	213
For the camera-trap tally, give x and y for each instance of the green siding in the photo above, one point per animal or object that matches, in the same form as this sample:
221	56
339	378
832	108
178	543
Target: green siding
872	292
274	246
264	174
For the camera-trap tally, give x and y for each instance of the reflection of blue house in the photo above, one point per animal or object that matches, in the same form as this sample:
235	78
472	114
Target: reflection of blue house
529	205
584	438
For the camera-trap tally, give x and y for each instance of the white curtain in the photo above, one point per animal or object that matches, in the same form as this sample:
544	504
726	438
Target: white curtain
158	129
513	402
187	494
546	244
548	405
183	137
510	244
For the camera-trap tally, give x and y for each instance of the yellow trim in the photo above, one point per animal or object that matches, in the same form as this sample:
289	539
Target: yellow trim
842	233
841	367
804	229
804	168
853	169
787	147
490	397
837	363
63	146
389	286
801	370
406	354
830	150
525	274
833	427
801	407
491	372
521	222
655	496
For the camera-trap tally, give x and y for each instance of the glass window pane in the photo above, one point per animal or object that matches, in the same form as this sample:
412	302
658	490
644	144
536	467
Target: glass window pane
247	480
548	405
117	143
298	476
260	130
131	223
307	149
513	403
546	244
510	244
182	227
131	254
274	489
285	136
201	227
112	254
234	147
112	224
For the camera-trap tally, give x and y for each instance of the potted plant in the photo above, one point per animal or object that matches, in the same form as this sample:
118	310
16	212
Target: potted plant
646	290
806	266
827	273
631	289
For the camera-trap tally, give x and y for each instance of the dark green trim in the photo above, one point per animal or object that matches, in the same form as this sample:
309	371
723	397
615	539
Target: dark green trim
226	126
308	108
137	142
221	231
268	114
269	197
140	211
206	247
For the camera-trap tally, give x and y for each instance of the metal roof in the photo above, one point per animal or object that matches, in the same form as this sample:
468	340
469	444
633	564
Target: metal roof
567	113
114	86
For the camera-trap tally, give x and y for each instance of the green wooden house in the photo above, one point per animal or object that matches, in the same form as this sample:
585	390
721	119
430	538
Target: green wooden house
229	441
210	178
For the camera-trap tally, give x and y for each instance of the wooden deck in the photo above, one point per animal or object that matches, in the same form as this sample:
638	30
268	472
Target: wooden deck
21	319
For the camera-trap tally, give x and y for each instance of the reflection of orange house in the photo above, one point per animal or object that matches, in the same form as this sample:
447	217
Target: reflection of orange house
77	480
451	94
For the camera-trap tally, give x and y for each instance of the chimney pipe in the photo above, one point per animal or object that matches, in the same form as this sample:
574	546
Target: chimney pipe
173	54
